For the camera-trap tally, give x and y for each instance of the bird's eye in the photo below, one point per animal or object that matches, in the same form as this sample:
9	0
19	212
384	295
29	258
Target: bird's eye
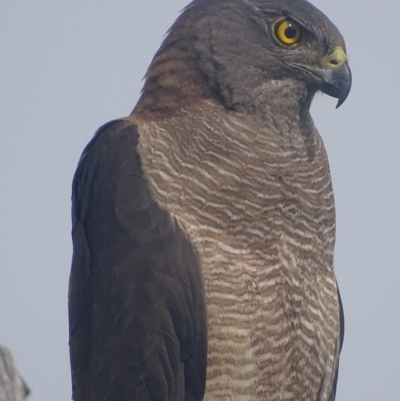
288	32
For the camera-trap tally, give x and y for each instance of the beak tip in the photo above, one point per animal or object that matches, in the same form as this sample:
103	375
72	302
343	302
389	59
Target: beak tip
341	101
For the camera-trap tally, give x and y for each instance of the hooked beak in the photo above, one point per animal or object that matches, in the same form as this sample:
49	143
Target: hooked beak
335	83
334	77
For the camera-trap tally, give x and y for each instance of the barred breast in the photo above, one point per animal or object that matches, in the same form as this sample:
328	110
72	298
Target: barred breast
259	207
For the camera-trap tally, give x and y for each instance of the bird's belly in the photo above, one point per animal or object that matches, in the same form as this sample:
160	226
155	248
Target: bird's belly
272	331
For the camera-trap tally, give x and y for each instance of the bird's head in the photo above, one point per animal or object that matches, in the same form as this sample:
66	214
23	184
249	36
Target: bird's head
251	51
307	41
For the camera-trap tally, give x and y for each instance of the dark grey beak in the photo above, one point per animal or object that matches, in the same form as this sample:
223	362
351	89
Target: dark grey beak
335	82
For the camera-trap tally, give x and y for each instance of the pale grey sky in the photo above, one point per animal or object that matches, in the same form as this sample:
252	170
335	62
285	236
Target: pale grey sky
69	66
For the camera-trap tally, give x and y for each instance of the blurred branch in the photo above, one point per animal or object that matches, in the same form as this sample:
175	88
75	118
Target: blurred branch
12	385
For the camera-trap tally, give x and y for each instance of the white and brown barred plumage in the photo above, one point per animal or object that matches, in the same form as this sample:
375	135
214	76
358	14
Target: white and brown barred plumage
204	223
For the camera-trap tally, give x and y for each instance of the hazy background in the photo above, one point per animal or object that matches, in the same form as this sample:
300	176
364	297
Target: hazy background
68	66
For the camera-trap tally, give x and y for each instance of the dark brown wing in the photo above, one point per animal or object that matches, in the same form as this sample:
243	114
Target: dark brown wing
341	322
136	298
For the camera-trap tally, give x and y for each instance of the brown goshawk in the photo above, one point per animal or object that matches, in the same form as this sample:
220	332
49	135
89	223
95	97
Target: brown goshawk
204	223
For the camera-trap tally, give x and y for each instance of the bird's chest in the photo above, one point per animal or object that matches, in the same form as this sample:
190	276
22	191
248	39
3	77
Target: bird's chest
261	215
249	190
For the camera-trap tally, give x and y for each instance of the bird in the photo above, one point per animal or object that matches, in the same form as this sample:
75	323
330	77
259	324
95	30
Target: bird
203	223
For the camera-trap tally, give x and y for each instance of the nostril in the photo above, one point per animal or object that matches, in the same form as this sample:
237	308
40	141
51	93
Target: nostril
333	62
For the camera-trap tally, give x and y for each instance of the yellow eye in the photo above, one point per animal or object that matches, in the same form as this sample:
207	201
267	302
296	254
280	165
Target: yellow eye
288	32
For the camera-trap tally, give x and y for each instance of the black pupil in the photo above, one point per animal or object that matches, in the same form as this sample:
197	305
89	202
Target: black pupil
290	32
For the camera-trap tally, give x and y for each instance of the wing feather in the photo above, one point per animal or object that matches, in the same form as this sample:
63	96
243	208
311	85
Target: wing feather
341	323
136	298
